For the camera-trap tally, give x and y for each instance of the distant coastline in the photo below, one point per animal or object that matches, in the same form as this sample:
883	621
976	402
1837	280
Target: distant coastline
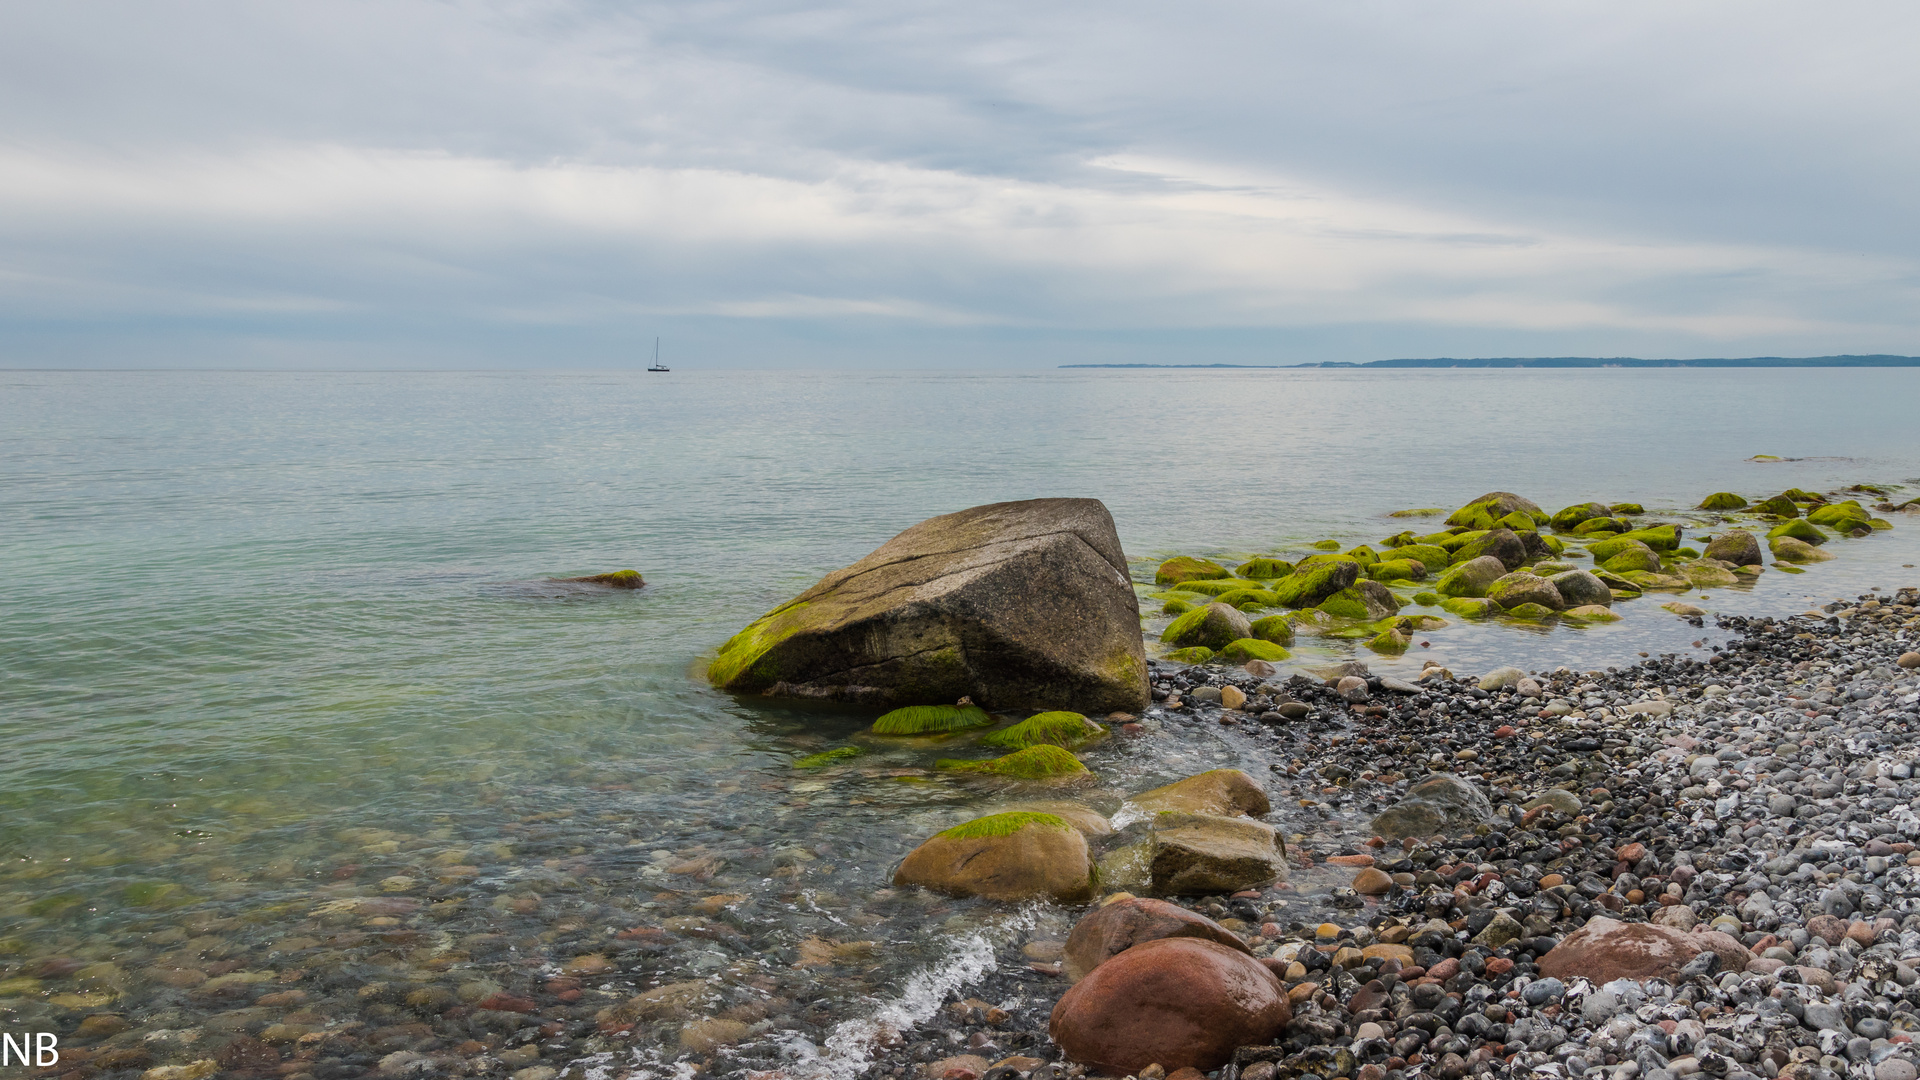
1877	360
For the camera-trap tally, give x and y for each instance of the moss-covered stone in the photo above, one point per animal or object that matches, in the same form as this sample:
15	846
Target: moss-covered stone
1034	763
1399	539
1612	580
619	579
1363	554
1060	728
1706	575
1212	626
1426	511
1529	612
1572	516
1250	648
1195	654
932	720
1520	587
1600	525
1275	628
1841	516
1468	607
1627	508
1368	600
1248	599
1662	538
1455	541
1649	580
1326	545
1502	544
1806	497
1176	607
1484	511
1518	522
1325	559
1879	524
1185	568
1779	506
1590	613
1723	500
1432	556
1398	570
1004	825
828	757
1310	585
1638	556
1390	642
1427	599
1470	579
1786	549
1264	569
1579	588
1799	529
1439	539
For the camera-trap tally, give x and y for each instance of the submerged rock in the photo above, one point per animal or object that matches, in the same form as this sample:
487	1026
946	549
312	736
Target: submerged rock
1184	568
1023	604
1218	791
1109	930
619	579
1011	856
1180	1003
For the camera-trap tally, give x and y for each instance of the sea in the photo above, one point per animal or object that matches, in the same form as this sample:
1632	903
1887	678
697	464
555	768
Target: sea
292	709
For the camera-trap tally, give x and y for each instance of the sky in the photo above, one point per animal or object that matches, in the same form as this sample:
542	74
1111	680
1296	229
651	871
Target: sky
411	184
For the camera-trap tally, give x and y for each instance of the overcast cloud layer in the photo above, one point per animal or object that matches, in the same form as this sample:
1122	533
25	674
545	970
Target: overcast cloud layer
403	183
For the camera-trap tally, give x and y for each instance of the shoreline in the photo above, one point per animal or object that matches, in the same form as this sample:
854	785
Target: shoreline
1803	826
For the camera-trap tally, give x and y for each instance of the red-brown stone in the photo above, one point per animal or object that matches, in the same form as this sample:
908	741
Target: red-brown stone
1107	931
1606	949
1179	1002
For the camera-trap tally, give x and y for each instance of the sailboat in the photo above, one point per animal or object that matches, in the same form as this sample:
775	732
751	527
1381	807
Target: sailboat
656	358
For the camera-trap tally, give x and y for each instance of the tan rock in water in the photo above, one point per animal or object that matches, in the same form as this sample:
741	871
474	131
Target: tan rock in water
1224	792
1014	856
1201	854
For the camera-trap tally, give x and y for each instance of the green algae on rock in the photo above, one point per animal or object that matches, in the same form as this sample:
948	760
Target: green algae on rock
1432	556
1390	642
1577	514
1241	650
1263	569
1520	587
1064	729
828	757
1425	511
1009	857
1778	506
1471	578
1042	762
1175	607
1212	626
1636	556
1723	500
1789	550
1184	568
1215	586
1275	628
1398	570
1503	544
1195	654
1798	529
1308	586
1022	604
1736	546
932	720
1530	612
619	579
1469	607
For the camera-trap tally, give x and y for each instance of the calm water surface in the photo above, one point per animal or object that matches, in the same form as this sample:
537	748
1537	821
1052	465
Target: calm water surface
283	686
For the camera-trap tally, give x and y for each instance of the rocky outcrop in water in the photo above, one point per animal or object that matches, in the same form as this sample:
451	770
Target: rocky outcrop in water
1022	604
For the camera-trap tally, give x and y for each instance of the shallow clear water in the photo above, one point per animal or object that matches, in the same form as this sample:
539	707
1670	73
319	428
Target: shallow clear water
273	641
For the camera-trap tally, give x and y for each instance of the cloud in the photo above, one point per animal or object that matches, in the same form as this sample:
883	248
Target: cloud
1265	178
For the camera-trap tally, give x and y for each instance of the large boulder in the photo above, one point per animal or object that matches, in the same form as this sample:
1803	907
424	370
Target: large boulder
1606	949
1441	804
1309	585
1580	588
1181	1003
1201	854
1112	929
1016	605
1523	588
1223	792
1502	544
1736	546
1471	578
1021	855
1213	626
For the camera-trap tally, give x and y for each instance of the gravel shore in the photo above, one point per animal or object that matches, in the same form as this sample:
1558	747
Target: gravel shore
1766	794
